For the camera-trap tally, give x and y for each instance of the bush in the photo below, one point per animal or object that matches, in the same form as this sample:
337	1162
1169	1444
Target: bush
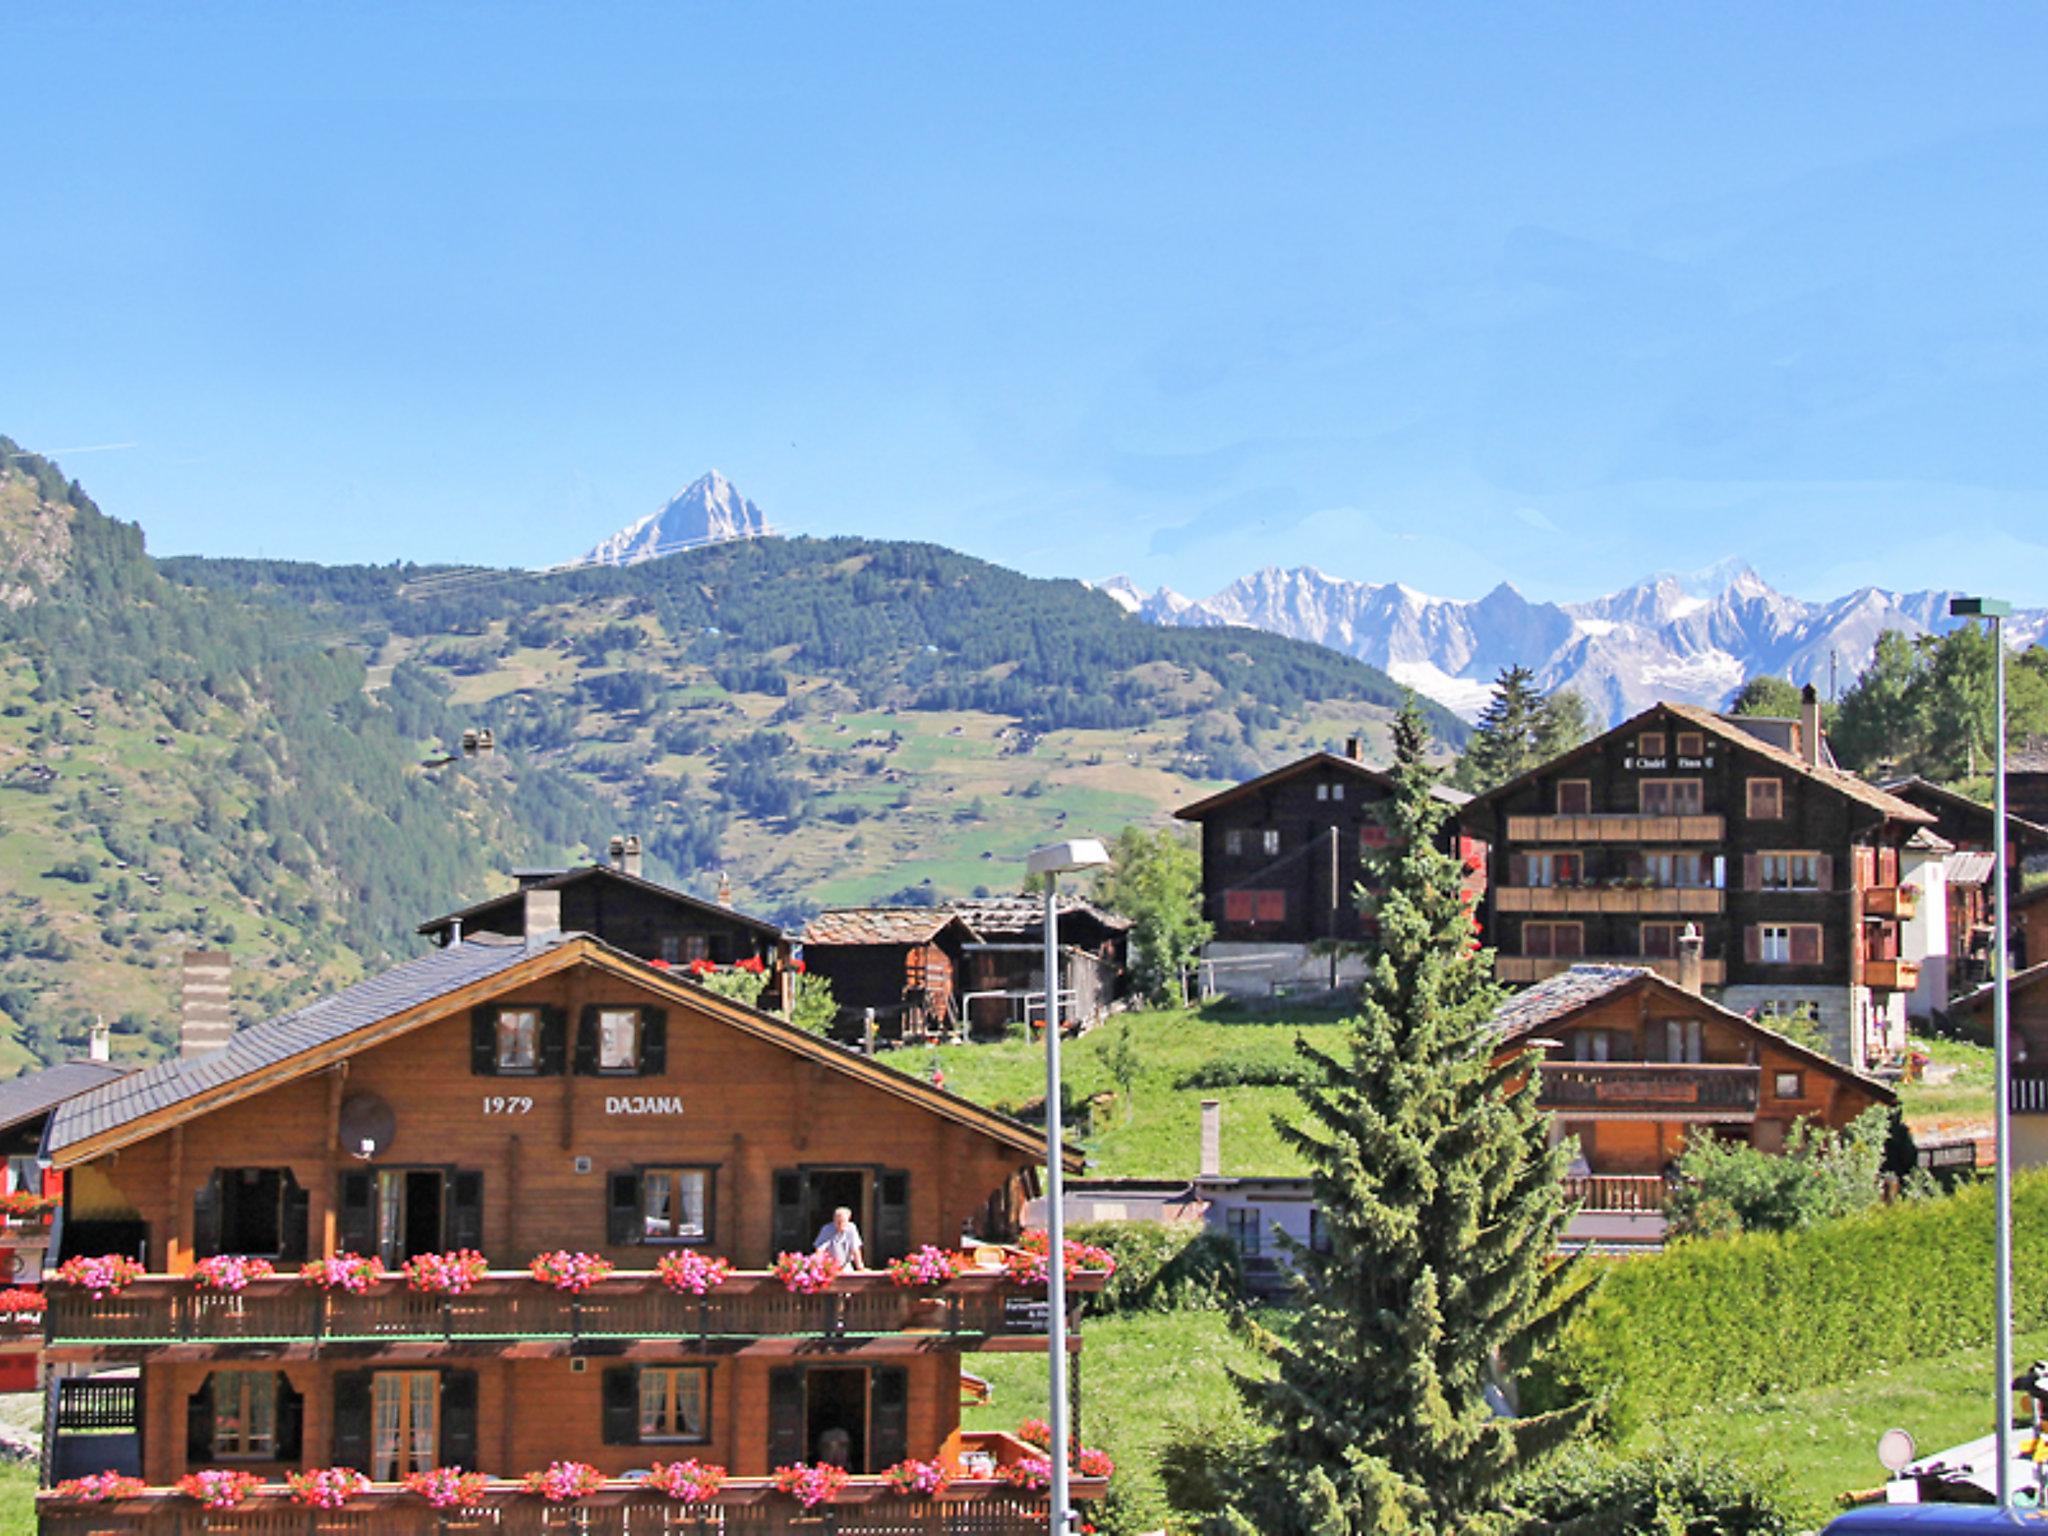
1162	1267
1671	1491
1728	1187
1246	1069
1761	1312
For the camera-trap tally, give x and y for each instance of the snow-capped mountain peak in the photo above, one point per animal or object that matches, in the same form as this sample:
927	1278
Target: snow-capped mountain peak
709	510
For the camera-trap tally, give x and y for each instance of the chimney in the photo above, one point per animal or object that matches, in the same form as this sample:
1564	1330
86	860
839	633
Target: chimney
1354	749
724	889
1691	960
101	1047
1212	1139
629	856
205	1021
615	852
1809	725
543	913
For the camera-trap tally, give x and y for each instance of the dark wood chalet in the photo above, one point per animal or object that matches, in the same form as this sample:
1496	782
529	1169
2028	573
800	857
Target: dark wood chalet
1004	983
516	1096
2026	780
2030	913
1790	871
2028	993
905	963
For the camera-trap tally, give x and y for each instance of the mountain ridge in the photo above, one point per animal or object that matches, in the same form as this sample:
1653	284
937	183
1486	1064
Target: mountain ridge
709	510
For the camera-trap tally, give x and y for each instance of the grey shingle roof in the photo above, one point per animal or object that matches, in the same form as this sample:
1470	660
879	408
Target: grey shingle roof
36	1093
996	917
879	925
277	1040
1562	995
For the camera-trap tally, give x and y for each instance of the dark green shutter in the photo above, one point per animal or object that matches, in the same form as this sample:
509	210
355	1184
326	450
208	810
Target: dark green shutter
466	1211
622	1209
199	1425
554	1042
294	1221
653	1042
888	1416
483	1041
788	1225
355	1226
586	1042
621	1406
352	1420
206	1217
291	1420
892	1218
786	1417
458	1419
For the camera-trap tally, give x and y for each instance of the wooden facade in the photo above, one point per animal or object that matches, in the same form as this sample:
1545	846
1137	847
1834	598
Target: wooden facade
905	963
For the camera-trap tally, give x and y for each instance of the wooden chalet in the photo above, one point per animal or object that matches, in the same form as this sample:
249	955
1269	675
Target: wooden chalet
1637	1065
1282	855
2030	915
2028	990
515	1096
904	963
1792	872
1004	982
2026	780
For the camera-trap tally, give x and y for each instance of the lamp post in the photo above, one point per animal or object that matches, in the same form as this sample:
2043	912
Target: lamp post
1050	862
1996	610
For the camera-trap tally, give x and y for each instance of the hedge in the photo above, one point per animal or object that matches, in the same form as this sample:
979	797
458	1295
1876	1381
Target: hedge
1163	1267
1734	1317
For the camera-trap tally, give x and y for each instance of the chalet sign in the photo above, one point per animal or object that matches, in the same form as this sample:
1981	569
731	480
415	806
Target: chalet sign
643	1104
1660	764
1027	1314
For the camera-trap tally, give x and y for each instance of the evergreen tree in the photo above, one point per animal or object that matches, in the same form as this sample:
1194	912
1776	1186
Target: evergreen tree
1520	729
1566	723
1443	1202
1772	697
1155	879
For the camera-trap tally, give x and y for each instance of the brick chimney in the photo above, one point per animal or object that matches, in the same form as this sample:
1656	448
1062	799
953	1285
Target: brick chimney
205	1020
1691	960
1809	725
1212	1139
543	912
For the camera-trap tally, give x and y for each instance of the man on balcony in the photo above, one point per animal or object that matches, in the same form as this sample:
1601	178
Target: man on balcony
840	1238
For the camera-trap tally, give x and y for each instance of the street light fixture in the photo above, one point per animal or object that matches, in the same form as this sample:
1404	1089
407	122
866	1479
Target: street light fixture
1996	610
1050	862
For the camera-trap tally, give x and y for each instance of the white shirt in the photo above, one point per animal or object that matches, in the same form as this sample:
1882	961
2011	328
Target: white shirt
842	1245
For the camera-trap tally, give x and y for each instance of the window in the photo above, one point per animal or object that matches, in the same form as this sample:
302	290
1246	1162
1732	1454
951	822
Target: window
673	1400
405	1421
1658	941
1766	799
1564	941
618	1039
1789	1085
1670	797
1553	869
244	1415
1788	943
1589	1045
518	1040
661	1205
1233	841
1336	791
1269	842
1245	1228
1252	907
1329	791
1682	1040
682	948
1575	797
1684	870
1789	871
1692	744
1650	744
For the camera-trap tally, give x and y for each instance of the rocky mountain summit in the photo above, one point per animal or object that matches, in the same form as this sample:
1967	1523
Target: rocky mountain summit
709	510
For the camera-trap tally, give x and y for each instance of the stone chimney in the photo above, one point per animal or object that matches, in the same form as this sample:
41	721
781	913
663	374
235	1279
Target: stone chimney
1691	960
543	912
100	1046
1354	749
1212	1139
205	1020
1809	725
630	861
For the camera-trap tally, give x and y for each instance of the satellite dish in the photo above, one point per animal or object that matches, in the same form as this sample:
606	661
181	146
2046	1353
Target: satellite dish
1895	1449
367	1124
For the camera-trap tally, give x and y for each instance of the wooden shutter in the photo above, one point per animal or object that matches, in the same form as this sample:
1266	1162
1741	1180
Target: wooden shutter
352	1420
585	1064
621	1406
1752	872
199	1425
553	1050
1237	906
892	1225
888	1416
1824	870
622	1208
653	1042
295	1222
483	1041
458	1419
1570	943
1271	906
786	1416
291	1420
1753	943
206	1217
355	1226
1518	869
788	1231
1805	944
465	1224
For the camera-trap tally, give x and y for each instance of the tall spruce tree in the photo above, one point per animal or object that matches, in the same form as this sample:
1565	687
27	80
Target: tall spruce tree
1518	729
1442	1201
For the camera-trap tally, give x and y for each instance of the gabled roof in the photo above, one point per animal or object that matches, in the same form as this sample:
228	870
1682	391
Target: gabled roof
2031	897
883	925
532	880
37	1093
1571	992
1979	999
1846	784
1351	766
998	917
425	991
1918	791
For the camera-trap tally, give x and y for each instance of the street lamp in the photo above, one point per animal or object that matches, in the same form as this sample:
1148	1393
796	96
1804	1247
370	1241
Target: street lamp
1996	610
1050	862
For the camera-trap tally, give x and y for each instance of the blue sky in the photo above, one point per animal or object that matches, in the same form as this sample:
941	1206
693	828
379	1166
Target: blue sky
1444	294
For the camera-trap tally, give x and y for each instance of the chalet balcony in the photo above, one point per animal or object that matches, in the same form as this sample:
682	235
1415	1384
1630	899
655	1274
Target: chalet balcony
1592	1090
1677	899
1899	901
1631	1194
982	1505
1891	975
1517	970
1572	830
283	1318
2029	1089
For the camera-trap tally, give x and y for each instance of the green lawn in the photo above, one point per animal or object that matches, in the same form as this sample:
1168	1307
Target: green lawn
1966	1097
17	1499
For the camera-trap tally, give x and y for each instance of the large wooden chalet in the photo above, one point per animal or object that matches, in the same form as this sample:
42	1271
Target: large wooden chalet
1791	871
1282	855
516	1095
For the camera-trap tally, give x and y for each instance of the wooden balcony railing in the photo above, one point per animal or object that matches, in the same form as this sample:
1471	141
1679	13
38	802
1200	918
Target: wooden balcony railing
1891	975
1900	901
2029	1089
1701	900
1618	1193
285	1316
1517	969
1648	1088
1615	829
